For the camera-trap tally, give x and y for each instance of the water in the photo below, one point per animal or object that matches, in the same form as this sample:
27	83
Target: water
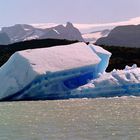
79	119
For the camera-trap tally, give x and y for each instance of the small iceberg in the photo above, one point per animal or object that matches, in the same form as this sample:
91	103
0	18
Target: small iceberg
116	83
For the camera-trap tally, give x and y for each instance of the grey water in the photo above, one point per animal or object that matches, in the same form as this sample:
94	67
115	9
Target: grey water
75	119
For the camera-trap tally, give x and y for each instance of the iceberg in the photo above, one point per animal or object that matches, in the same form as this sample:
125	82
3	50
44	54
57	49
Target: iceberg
63	72
116	83
49	73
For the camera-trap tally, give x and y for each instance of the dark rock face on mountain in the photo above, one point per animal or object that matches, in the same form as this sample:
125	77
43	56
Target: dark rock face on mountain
125	36
23	32
4	39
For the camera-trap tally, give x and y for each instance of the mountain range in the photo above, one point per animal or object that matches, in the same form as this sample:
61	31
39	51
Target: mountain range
23	32
125	36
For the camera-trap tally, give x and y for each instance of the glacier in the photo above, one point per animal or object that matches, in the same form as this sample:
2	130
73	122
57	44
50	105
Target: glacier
63	72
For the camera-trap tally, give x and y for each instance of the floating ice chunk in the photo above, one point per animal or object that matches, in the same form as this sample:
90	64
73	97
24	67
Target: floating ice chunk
134	66
117	83
65	67
127	67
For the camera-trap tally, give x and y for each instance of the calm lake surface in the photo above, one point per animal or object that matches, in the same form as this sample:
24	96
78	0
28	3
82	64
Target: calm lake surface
77	119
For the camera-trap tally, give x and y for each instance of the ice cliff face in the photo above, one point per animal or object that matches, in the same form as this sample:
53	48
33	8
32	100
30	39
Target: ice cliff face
51	73
104	55
22	32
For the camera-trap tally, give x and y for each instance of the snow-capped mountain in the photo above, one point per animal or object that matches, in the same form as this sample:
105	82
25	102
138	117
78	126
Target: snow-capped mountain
68	32
94	36
125	36
22	32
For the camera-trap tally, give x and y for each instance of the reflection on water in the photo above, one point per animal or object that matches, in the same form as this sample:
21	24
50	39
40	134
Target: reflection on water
81	119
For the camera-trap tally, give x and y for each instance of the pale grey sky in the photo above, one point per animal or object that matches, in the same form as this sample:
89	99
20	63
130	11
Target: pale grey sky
61	11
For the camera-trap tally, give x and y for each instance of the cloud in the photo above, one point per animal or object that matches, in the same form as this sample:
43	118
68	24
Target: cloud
92	27
84	28
44	25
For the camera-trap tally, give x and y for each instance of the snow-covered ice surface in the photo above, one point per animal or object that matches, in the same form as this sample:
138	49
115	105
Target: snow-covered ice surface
116	83
60	58
62	72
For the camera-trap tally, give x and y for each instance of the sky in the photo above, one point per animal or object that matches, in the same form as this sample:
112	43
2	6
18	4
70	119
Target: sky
61	11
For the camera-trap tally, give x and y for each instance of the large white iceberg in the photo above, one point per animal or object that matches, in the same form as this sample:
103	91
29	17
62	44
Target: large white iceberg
62	72
50	72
